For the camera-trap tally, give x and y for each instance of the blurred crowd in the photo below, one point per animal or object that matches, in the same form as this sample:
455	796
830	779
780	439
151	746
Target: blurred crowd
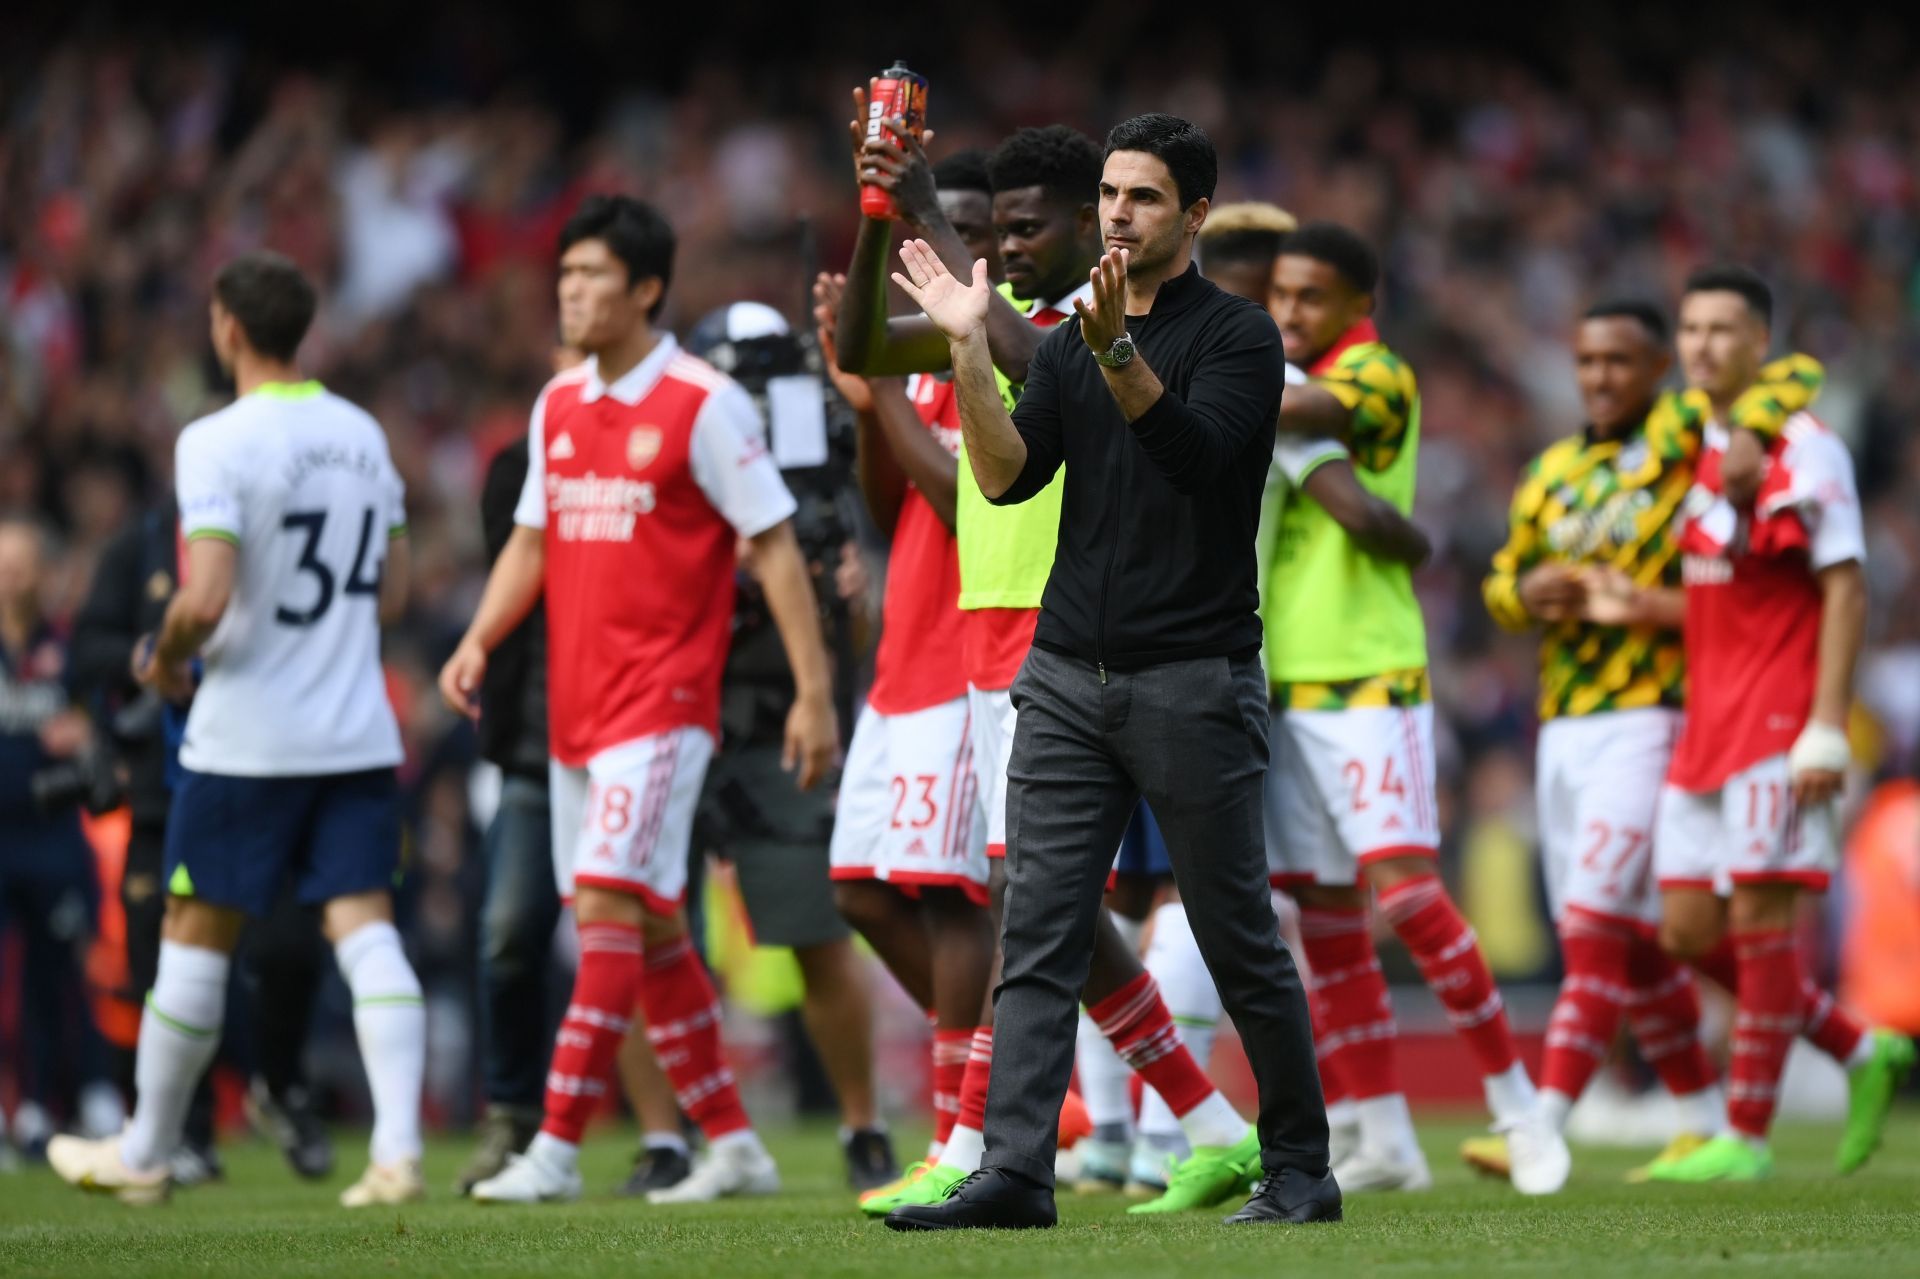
1505	190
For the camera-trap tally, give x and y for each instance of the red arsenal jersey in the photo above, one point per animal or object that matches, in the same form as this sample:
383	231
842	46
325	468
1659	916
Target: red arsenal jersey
918	663
1753	600
642	488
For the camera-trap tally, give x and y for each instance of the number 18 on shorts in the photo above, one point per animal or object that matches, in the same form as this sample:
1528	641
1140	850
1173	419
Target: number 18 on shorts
625	821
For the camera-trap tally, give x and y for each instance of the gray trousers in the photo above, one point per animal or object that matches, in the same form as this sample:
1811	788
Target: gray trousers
1191	737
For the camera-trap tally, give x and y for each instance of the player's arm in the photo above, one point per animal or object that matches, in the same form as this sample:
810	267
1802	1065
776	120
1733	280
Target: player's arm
1010	463
869	341
1312	410
916	451
513	588
396	577
1820	757
1524	588
1375	524
894	446
191	618
812	735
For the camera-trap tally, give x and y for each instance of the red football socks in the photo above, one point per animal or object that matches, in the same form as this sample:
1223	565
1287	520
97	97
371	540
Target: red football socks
1448	955
1355	1035
1136	1022
683	1025
1592	997
1770	1003
950	1052
598	1018
1663	1008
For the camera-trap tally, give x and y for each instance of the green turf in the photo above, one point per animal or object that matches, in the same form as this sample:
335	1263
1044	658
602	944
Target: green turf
1803	1221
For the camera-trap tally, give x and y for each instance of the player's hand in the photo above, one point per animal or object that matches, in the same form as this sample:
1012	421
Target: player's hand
1818	763
170	681
1611	598
827	292
460	678
813	738
896	162
1105	318
851	580
857	127
957	309
1553	592
1742	467
1817	786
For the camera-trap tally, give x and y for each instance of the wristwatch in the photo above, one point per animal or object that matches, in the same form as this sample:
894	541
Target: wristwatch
1119	354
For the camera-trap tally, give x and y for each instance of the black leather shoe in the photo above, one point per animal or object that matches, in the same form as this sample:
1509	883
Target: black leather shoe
991	1199
1293	1197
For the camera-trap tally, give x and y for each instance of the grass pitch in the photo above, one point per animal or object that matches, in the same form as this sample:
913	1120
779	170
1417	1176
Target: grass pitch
1805	1221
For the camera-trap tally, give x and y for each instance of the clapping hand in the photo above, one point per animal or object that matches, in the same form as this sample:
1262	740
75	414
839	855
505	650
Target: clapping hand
1104	320
828	289
957	309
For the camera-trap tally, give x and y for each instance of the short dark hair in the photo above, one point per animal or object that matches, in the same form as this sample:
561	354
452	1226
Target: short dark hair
633	231
1340	248
1639	310
1732	278
964	171
272	301
1182	145
1063	162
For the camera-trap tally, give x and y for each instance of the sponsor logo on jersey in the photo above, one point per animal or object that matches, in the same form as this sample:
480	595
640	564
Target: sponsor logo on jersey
594	508
1706	570
562	446
643	445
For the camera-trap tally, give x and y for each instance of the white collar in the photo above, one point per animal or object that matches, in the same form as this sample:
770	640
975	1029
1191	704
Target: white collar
633	385
1065	305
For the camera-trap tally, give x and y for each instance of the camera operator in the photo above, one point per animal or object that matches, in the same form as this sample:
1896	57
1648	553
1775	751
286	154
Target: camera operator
751	813
284	959
48	890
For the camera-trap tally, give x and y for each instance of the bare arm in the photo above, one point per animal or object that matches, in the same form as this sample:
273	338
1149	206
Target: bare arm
812	736
1313	410
160	662
996	449
395	579
1843	626
871	343
894	446
1375	524
202	599
916	451
1820	755
513	587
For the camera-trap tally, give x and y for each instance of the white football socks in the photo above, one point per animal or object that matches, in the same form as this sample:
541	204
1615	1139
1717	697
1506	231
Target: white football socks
1510	1094
1106	1082
965	1148
1703	1113
179	1034
561	1156
390	1020
1386	1127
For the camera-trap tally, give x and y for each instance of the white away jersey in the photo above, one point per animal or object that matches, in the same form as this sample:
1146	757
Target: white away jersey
301	482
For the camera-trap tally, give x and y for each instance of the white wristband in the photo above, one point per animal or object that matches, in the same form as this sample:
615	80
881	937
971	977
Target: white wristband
1819	746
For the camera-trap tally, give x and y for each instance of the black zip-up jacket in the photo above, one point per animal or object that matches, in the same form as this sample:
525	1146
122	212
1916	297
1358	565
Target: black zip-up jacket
1155	559
513	692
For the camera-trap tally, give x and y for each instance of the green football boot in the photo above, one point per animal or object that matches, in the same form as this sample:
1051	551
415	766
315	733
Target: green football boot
1207	1177
1870	1089
1725	1158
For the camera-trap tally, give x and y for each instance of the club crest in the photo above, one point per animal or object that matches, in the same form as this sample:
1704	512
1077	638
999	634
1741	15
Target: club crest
643	445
